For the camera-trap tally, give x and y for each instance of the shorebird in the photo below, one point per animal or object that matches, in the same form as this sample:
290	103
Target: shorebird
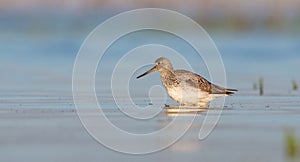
185	87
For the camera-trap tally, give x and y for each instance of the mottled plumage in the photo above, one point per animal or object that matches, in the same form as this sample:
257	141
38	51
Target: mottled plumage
186	87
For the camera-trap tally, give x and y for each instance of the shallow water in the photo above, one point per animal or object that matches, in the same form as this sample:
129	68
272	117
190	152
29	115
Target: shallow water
38	121
251	128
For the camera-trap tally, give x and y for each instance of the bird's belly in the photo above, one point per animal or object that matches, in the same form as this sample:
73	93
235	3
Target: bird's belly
189	95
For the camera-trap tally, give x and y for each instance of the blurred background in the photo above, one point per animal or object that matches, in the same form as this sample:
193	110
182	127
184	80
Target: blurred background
257	39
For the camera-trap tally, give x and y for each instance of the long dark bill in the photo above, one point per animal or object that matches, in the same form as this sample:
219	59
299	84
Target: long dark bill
147	72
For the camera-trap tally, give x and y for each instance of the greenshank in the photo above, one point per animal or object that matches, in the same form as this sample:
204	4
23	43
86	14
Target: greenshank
185	87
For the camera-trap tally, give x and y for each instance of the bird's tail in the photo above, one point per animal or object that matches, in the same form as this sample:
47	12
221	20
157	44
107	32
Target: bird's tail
230	91
220	90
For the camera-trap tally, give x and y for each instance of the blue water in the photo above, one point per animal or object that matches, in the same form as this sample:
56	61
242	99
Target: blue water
38	54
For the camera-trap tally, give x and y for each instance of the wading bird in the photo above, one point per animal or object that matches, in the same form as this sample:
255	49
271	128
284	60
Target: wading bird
185	87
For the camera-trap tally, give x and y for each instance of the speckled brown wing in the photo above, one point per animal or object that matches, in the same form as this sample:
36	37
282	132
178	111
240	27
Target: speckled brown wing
194	80
197	81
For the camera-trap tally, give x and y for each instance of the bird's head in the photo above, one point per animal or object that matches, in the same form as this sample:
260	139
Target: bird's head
161	63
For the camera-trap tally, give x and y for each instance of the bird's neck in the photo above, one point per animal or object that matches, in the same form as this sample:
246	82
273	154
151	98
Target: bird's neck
168	77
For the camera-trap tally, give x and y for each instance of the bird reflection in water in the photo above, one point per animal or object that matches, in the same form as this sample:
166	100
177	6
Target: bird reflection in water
184	110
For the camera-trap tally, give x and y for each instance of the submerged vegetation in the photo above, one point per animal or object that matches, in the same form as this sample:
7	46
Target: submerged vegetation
295	85
261	86
254	86
292	147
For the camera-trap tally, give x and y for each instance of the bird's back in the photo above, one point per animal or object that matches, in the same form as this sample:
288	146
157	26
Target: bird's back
196	81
